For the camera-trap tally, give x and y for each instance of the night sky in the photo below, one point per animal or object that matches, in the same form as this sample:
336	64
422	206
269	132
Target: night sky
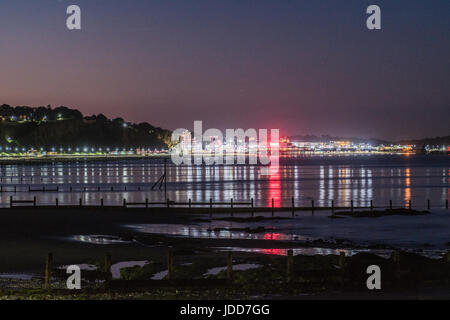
306	67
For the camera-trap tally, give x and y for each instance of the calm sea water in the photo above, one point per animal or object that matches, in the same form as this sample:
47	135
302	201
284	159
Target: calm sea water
342	178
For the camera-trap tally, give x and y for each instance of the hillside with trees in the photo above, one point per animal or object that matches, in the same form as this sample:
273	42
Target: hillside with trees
62	127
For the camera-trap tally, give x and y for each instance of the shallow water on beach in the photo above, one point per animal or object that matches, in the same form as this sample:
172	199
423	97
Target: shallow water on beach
431	231
360	178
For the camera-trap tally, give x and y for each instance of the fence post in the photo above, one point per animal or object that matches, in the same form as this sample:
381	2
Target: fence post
101	202
342	259
293	207
124	202
168	203
351	205
428	204
253	212
230	266
371	205
48	271
190	203
56	202
210	207
290	265
108	267
170	265
146	203
396	260
231	205
390	204
332	207
34	201
409	204
273	211
312	206
10	201
81	204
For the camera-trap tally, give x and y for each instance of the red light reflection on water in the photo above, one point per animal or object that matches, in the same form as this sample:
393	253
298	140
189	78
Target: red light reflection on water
278	252
272	236
274	187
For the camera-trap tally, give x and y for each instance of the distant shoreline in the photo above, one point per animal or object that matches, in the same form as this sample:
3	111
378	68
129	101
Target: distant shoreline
95	157
72	158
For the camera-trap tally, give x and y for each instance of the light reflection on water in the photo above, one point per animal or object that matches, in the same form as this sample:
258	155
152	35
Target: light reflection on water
192	231
322	178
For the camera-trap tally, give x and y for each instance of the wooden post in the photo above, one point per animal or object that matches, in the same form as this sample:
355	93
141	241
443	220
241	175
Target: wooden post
332	207
101	202
10	201
124	202
395	256
56	202
70	188
190	203
253	212
146	203
396	260
351	205
170	265
446	204
81	204
390	204
428	204
108	267
312	206
48	271
165	176
273	211
230	266
34	201
290	265
293	207
409	204
231	205
168	203
371	205
210	207
342	259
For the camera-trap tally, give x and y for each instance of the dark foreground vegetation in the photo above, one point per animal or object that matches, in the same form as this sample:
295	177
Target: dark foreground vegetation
403	275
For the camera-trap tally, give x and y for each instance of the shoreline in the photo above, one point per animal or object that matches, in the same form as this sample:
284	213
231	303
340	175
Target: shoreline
95	157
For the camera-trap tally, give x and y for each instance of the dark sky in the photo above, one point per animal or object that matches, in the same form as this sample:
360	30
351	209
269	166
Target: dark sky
306	67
